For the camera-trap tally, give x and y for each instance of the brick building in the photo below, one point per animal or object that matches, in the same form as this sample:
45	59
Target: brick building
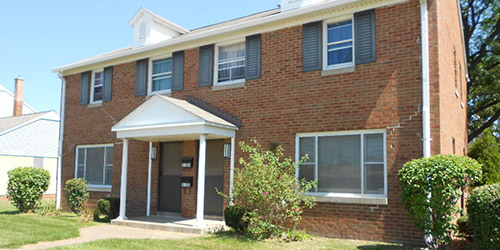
363	86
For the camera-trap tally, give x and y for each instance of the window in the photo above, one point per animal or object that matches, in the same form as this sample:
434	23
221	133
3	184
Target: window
349	164
95	164
161	75
230	67
97	86
339	44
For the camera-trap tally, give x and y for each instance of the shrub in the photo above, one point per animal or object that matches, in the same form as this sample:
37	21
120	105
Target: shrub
486	150
77	194
233	216
484	213
109	207
48	209
26	187
267	186
442	177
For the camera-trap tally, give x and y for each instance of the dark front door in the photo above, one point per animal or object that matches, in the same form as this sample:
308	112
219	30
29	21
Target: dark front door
170	176
214	177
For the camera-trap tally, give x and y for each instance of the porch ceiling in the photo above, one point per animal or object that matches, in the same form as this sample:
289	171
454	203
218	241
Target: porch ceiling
163	118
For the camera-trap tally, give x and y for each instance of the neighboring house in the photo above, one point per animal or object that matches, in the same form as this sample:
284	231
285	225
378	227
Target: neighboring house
7	103
360	85
27	140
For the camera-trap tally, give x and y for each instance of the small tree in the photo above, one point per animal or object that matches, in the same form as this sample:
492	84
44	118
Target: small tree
268	187
26	187
484	213
442	177
486	150
77	194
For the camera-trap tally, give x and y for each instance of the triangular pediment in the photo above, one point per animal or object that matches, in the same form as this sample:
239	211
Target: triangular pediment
161	111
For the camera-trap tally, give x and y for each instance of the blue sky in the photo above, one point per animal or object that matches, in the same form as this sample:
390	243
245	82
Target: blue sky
37	36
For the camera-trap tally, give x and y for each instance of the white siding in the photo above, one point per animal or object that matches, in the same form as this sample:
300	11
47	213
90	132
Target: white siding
38	138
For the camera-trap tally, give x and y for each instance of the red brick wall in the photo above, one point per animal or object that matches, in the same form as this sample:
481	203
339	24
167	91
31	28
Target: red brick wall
286	101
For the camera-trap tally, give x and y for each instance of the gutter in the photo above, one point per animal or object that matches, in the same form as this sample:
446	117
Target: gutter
61	142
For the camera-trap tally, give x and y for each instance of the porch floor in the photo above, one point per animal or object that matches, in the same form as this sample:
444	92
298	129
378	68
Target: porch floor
171	224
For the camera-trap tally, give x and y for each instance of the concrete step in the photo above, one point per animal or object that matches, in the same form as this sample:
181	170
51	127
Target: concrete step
170	224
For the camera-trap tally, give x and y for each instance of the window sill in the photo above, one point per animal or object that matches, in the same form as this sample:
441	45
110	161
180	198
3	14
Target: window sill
228	86
329	72
99	189
94	105
350	200
161	92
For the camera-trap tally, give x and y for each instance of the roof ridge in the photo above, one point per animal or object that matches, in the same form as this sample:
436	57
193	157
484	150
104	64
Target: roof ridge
234	19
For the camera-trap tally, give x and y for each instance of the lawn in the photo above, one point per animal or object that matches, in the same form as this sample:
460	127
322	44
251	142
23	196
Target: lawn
18	229
227	240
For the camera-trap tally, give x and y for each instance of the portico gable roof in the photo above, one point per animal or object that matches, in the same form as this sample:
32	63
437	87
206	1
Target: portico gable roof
163	118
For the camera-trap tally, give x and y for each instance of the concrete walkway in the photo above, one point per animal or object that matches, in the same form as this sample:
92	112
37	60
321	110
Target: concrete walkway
88	234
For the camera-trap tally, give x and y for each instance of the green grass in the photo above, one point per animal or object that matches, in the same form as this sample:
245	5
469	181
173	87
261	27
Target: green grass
17	229
227	240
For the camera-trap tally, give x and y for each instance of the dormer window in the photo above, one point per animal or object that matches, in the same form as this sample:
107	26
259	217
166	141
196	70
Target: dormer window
142	31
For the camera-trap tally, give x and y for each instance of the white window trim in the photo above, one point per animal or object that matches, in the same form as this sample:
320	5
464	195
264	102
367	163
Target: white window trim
216	62
92	83
325	42
150	74
92	186
347	197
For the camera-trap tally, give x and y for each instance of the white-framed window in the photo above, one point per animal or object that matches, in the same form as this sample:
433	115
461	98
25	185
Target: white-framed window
94	163
229	64
97	86
346	164
160	72
338	43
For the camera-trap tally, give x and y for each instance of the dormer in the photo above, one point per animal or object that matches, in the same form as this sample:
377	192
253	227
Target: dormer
150	28
287	5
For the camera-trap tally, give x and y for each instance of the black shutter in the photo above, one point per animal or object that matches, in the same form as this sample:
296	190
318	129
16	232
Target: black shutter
206	65
365	39
312	46
84	88
178	70
108	84
142	77
252	57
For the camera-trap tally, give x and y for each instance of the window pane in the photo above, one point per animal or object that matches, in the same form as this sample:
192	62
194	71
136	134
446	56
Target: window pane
109	175
109	155
374	178
80	171
95	161
162	66
231	52
238	73
81	156
98	93
307	146
374	148
339	164
340	31
306	171
224	75
162	83
339	56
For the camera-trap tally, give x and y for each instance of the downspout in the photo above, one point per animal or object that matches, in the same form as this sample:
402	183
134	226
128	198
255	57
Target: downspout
426	116
61	140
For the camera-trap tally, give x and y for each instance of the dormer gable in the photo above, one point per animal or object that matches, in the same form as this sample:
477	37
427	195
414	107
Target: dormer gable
150	28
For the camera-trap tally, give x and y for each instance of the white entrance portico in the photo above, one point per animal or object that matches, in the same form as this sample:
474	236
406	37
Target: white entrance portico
162	119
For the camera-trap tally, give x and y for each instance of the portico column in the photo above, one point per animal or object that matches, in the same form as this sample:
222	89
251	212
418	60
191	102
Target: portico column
200	196
231	172
123	184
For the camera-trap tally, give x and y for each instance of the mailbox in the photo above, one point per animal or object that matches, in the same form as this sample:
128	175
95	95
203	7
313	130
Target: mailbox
187	182
187	162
